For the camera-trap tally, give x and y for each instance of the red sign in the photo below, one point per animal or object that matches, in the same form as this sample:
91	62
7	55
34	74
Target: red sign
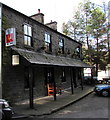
10	37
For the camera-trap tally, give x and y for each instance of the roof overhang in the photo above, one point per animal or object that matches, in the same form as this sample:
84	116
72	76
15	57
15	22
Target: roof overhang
46	59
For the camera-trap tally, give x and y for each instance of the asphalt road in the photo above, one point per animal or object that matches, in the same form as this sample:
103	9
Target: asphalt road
92	106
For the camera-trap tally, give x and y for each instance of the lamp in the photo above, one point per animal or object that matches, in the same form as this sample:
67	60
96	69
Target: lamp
15	59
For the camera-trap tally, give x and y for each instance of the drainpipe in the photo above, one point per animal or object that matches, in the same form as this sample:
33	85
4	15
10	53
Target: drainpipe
0	51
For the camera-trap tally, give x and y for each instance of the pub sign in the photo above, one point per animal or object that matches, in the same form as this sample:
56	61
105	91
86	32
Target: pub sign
10	37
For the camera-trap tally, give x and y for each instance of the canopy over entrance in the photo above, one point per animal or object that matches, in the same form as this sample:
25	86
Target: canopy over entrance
46	59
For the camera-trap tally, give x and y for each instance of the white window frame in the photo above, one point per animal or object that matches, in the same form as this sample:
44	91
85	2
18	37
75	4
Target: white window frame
27	34
61	44
48	41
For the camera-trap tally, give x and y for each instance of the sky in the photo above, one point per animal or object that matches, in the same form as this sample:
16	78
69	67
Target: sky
55	10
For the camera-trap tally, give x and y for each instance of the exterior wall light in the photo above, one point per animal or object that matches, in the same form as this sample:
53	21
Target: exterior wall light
15	59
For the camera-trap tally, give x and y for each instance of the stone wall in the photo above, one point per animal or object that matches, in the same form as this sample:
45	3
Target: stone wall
17	20
13	76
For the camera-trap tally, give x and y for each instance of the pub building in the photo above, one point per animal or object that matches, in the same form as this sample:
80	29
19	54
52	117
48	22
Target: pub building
37	60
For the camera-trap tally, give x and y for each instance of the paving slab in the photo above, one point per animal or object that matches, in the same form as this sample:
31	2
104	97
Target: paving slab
47	105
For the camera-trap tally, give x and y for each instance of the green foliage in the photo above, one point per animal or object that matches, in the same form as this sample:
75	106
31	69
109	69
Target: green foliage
87	27
65	29
97	19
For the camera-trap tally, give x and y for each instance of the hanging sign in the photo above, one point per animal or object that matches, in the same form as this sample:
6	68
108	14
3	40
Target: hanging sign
10	37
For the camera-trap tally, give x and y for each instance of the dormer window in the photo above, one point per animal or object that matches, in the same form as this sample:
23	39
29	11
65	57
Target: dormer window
27	35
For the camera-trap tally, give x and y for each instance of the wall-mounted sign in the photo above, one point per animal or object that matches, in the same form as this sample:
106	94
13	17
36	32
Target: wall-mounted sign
10	37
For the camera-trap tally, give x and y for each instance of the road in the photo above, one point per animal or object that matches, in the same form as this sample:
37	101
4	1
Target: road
92	106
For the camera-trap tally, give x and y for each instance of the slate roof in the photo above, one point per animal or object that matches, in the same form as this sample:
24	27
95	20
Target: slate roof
47	59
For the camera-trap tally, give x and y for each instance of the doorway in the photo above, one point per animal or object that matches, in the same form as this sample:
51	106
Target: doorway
49	80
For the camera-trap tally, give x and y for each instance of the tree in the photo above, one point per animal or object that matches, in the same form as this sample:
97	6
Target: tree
65	29
96	24
87	27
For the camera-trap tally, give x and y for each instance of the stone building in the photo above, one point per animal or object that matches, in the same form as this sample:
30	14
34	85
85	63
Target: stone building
35	55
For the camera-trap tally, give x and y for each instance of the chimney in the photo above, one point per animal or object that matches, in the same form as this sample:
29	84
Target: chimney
38	17
38	10
52	24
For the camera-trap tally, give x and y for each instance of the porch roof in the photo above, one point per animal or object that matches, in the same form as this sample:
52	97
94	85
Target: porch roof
46	59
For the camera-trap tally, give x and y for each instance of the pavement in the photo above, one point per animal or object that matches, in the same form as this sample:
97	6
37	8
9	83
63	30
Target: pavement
47	105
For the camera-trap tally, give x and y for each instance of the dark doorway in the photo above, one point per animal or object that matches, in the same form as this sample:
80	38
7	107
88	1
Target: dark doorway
49	77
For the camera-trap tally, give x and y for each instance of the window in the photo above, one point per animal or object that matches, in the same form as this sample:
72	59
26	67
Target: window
27	35
48	42
78	51
49	75
61	45
63	77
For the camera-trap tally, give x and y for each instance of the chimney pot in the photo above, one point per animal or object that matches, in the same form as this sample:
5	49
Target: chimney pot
38	10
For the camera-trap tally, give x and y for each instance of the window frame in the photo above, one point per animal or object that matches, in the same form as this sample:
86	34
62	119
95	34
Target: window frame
48	42
61	45
27	35
78	51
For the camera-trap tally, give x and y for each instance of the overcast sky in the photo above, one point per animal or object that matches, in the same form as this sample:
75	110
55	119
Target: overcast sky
55	10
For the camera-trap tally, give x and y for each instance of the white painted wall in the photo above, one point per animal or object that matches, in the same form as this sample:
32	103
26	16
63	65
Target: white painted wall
101	74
